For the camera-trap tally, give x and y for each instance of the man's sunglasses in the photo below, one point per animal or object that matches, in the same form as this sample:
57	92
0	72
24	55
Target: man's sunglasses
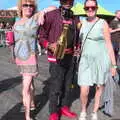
93	8
28	5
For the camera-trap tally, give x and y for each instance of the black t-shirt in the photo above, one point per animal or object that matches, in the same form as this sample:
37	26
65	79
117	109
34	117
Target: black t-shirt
116	35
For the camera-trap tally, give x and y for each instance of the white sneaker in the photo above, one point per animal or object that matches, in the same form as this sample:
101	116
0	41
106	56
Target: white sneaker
94	116
83	116
40	54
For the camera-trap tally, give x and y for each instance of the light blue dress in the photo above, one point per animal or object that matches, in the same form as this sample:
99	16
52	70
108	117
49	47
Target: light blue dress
94	65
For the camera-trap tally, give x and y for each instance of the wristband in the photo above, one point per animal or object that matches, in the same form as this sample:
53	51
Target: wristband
114	66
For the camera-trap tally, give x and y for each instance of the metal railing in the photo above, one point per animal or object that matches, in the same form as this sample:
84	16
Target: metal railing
3	37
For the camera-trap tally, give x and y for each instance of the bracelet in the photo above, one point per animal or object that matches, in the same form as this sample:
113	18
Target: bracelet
114	66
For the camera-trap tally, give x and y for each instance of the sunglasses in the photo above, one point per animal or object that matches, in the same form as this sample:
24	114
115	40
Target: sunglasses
28	5
93	8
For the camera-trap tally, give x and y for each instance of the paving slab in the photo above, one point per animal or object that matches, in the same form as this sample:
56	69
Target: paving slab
11	97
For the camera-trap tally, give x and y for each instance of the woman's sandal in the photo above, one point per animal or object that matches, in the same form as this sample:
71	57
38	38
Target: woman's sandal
32	108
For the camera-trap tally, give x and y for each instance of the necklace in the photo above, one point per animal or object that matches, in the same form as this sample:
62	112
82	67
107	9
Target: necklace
90	19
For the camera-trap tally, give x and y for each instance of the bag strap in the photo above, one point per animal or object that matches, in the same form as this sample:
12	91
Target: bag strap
86	38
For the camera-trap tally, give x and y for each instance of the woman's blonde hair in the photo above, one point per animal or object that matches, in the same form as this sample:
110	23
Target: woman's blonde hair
19	5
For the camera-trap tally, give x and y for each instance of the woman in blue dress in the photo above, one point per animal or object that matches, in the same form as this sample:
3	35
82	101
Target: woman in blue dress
97	58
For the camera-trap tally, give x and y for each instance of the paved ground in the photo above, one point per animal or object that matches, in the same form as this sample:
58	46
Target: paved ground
10	93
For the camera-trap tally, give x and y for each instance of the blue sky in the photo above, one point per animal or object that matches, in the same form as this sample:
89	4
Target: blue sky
110	5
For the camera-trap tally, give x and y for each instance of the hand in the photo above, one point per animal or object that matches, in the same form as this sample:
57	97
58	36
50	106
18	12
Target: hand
43	12
118	30
113	71
52	47
50	8
41	18
76	51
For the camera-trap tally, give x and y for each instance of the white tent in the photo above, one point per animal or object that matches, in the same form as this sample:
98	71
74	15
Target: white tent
13	8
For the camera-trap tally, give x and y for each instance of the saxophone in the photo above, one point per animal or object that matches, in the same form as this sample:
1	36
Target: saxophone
61	43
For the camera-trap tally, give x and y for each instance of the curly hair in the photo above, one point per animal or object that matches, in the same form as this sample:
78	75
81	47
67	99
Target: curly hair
19	5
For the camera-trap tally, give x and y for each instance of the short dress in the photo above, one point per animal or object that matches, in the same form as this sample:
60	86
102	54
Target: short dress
94	65
26	46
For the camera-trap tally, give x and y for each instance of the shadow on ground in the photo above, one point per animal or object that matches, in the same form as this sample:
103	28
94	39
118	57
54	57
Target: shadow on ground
9	83
41	100
16	114
115	119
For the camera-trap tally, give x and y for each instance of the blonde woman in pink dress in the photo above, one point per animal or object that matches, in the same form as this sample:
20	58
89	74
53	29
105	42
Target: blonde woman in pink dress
25	33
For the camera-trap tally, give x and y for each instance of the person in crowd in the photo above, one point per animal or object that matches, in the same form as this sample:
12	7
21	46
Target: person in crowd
8	26
2	25
60	24
25	37
115	33
2	35
97	60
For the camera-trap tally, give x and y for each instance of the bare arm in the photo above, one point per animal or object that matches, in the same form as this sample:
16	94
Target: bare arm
40	15
50	8
107	37
114	30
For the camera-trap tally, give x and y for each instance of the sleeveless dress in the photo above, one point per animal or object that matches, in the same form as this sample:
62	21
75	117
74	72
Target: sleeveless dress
94	65
26	46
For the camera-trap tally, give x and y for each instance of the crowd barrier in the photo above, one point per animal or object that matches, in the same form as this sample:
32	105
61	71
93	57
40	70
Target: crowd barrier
3	37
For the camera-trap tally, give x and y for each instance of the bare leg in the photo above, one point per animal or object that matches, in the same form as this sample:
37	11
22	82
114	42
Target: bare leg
12	59
97	97
27	81
39	49
84	91
32	90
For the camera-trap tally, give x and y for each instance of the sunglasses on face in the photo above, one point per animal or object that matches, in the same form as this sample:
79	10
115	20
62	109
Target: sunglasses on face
28	5
93	8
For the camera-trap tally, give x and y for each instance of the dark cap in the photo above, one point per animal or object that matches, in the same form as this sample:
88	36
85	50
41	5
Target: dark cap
66	1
